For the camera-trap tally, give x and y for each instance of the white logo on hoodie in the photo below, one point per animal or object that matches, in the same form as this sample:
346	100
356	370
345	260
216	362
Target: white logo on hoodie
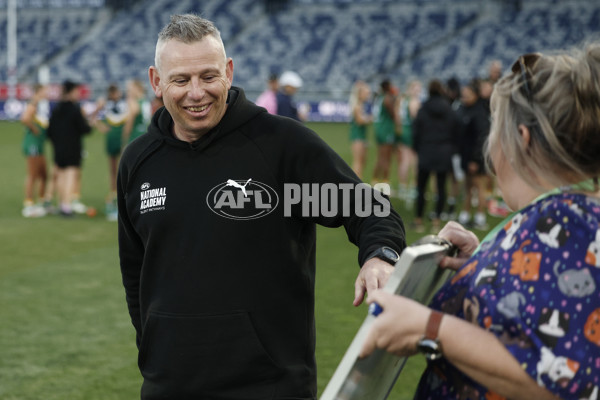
242	199
152	199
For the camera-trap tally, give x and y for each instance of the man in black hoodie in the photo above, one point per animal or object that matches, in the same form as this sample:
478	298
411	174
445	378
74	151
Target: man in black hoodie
217	250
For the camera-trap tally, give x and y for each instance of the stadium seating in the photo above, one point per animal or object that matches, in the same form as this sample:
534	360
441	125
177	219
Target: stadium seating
42	34
506	35
330	43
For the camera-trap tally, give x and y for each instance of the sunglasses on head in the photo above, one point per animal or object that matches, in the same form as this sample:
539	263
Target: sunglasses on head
524	65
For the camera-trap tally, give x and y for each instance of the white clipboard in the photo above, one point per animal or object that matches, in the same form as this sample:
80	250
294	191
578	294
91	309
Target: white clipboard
417	276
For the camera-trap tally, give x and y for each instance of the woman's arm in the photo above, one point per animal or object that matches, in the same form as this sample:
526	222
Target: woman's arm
28	117
133	109
359	116
464	240
471	349
480	355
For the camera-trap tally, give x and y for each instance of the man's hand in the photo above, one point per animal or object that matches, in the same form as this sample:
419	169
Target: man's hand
372	276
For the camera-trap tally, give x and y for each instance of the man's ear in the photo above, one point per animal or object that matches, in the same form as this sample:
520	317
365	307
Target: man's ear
525	135
229	72
154	77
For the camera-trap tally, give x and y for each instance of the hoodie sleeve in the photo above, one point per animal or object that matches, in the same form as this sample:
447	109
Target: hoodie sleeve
81	123
366	214
417	128
131	254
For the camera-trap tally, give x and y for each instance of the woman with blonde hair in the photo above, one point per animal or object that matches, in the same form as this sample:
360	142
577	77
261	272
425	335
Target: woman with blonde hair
138	110
407	158
359	122
521	317
35	120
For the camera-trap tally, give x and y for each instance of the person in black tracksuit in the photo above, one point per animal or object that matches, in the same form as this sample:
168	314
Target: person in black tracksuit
436	132
218	264
475	122
66	128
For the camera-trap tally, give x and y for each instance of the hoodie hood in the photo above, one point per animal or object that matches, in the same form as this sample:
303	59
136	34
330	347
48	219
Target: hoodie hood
239	111
436	107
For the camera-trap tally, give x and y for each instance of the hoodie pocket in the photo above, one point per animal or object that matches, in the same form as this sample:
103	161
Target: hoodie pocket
205	353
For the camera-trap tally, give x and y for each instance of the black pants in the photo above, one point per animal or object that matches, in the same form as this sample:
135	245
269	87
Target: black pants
422	179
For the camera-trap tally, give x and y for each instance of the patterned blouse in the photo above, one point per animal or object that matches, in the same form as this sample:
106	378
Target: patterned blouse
536	286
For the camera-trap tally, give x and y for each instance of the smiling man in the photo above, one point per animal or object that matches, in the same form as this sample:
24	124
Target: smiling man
219	281
193	78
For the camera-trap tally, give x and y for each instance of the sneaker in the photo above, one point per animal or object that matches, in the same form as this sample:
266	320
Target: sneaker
50	209
66	214
41	209
463	218
113	216
33	211
480	222
111	211
65	211
78	207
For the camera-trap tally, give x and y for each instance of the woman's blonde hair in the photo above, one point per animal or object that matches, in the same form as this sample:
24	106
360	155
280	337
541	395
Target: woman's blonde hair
558	98
355	94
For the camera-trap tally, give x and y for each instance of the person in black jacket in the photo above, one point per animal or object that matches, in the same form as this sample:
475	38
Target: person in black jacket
476	126
217	238
66	128
436	132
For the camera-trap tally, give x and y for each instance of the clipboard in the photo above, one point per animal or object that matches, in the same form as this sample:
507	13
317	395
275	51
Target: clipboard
417	276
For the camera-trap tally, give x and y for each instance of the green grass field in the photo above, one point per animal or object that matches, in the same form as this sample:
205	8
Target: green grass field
64	328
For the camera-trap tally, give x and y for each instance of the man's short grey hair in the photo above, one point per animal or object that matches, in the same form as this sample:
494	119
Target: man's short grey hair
186	28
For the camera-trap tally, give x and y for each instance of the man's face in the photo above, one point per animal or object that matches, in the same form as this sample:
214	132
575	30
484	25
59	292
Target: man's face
193	81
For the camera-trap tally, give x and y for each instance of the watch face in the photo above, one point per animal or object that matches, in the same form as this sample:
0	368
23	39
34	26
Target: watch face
430	349
389	253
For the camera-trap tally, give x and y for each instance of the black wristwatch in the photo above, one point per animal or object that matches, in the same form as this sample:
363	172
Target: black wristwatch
386	254
430	345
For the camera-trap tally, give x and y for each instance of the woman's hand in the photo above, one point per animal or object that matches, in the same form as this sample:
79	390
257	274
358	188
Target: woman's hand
465	240
398	328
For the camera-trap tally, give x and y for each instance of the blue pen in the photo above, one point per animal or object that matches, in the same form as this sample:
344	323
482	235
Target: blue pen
375	309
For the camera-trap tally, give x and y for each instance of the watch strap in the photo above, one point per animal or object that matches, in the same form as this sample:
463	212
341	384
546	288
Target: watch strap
433	325
380	253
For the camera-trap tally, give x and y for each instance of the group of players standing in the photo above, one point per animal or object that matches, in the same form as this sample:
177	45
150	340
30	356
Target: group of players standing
440	131
392	114
121	119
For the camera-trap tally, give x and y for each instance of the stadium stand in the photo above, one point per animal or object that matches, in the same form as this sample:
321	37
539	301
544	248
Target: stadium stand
42	35
504	34
329	42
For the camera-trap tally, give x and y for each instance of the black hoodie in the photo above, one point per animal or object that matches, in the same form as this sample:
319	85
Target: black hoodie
436	134
223	300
